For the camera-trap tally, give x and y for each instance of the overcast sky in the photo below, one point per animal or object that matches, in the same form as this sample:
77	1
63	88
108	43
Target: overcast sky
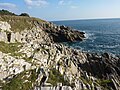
64	9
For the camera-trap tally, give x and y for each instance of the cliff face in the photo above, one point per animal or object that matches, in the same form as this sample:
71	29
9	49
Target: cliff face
26	29
33	58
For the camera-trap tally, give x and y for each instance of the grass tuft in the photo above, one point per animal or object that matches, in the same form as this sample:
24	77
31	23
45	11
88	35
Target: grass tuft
55	77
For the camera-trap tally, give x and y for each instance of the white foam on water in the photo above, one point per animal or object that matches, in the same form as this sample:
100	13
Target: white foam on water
107	46
89	35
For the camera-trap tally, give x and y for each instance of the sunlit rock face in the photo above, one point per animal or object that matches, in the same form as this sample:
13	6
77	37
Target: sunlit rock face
37	31
5	26
10	65
25	36
33	58
3	36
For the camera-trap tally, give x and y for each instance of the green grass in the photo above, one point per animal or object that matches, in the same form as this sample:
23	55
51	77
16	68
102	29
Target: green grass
99	82
55	77
20	23
17	83
27	59
11	48
6	12
1	83
104	82
86	81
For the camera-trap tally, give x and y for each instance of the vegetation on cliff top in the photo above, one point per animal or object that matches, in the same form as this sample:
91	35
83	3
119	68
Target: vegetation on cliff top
24	14
19	22
6	12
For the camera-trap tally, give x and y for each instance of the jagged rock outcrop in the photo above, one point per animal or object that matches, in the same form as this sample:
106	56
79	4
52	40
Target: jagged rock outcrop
64	34
78	70
3	36
5	26
10	65
39	31
32	60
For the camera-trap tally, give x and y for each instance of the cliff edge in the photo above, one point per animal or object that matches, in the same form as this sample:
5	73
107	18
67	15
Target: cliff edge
32	57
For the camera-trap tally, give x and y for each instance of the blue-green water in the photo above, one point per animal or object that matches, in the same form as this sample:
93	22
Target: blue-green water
103	35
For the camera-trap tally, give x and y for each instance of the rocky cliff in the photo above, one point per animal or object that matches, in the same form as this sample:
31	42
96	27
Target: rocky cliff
32	57
25	29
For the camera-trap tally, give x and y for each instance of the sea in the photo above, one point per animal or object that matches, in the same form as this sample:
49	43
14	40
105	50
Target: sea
102	35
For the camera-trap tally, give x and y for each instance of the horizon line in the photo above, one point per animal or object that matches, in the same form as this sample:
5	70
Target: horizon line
85	19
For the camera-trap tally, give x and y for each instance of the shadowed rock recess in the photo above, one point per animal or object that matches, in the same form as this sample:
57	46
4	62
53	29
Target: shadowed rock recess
32	57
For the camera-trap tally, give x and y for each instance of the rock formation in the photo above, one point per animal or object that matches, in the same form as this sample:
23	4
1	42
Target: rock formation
40	31
32	57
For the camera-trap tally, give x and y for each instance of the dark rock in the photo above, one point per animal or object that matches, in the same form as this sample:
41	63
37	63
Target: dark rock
65	34
9	36
106	55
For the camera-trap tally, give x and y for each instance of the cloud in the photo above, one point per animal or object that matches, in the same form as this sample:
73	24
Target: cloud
74	7
68	3
61	2
36	3
64	2
7	6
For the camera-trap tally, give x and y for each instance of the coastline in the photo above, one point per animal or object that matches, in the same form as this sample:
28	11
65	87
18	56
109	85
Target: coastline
52	64
103	35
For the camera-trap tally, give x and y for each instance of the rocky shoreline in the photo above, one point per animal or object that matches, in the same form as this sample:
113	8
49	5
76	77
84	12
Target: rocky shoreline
34	58
37	30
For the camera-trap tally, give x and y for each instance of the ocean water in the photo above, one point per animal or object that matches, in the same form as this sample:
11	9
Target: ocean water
102	35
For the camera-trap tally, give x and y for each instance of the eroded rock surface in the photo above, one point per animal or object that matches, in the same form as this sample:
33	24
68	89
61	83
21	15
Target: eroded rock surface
40	32
5	26
42	64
